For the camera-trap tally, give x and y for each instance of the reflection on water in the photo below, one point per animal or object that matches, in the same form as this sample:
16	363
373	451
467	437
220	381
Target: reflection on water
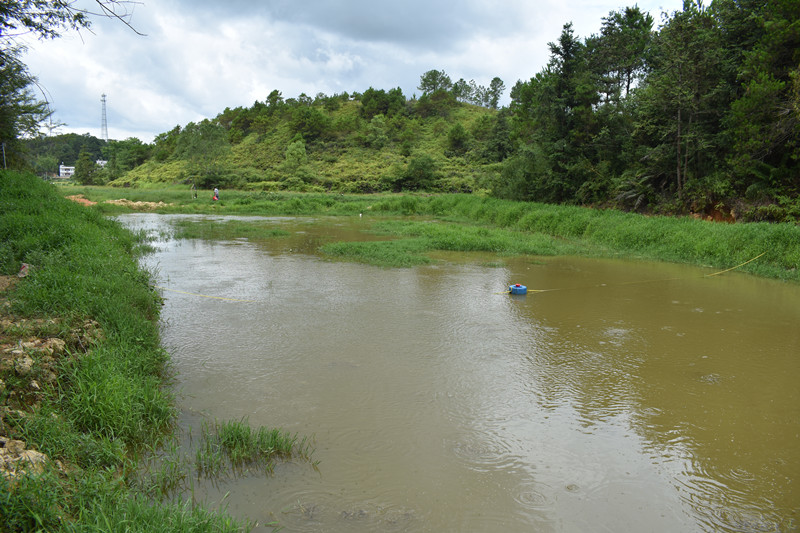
635	397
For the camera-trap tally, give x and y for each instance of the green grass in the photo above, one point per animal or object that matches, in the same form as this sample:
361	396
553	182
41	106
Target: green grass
399	253
99	501
234	445
472	222
415	239
226	229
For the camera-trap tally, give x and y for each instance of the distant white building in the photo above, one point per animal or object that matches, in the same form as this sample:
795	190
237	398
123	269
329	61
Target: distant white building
67	172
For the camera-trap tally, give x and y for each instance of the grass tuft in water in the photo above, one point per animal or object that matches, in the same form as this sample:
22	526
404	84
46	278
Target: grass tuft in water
234	444
226	229
397	253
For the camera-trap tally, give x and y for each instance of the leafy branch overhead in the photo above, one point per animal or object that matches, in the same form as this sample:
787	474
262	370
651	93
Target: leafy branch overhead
48	19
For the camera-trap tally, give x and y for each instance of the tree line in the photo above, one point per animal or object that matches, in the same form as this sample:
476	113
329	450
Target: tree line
703	112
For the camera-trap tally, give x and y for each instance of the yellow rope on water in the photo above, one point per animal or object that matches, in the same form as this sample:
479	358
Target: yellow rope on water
734	268
203	295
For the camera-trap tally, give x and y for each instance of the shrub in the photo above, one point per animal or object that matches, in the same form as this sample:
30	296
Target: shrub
420	173
457	139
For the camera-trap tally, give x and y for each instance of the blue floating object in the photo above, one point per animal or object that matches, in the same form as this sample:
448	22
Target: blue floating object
518	289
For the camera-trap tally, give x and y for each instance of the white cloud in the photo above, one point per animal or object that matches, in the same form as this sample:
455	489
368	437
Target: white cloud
199	57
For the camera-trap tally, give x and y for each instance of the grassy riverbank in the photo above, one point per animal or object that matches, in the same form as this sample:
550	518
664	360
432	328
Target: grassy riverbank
83	394
475	223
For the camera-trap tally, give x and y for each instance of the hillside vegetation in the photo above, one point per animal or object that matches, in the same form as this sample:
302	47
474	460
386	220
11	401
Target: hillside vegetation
331	144
700	114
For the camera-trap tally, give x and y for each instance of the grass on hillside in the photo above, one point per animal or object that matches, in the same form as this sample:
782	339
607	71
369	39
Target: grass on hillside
342	159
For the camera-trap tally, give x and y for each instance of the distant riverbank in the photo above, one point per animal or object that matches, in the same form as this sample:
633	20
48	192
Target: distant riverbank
517	227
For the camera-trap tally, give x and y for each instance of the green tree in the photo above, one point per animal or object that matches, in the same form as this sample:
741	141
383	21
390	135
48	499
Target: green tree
123	156
462	91
420	174
379	102
164	144
86	170
204	146
620	52
681	104
434	80
46	164
554	119
295	157
477	93
457	139
311	122
20	110
499	144
438	103
274	99
304	100
526	176
568	67
763	124
495	92
375	135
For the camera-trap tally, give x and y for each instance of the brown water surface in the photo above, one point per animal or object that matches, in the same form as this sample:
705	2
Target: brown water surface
635	397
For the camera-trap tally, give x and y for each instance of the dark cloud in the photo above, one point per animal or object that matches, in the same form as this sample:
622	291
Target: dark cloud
414	23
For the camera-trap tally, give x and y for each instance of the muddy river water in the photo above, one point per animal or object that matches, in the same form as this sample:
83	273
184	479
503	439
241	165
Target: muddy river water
635	397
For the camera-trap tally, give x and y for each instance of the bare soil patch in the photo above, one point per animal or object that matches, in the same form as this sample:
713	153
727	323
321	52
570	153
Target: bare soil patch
130	204
80	199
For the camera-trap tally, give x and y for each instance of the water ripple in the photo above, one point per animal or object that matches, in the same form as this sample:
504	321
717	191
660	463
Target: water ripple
722	503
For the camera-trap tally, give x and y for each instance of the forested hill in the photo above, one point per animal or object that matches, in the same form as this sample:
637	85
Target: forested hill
700	112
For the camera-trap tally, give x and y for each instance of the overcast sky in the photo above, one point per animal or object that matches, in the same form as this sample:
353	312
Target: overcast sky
198	57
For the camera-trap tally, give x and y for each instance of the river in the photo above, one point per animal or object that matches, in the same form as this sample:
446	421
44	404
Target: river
634	396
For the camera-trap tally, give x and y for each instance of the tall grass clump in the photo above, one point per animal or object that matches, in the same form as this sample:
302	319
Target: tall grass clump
235	445
115	513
